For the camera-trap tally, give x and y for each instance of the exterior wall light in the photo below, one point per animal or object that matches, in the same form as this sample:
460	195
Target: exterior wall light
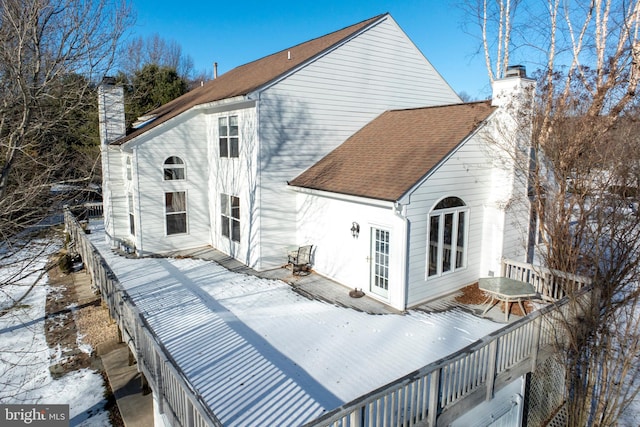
355	229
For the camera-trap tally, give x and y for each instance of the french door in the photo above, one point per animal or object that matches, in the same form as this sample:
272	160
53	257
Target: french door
380	262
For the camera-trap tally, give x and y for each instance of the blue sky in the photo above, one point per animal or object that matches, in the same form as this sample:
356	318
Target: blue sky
233	33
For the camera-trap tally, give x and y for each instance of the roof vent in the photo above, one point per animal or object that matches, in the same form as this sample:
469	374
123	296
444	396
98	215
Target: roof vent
516	71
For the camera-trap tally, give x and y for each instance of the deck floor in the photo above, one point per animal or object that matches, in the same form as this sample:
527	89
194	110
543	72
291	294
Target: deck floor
261	351
316	286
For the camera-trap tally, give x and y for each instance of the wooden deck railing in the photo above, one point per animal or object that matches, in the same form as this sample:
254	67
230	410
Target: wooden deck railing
552	285
177	400
434	395
442	391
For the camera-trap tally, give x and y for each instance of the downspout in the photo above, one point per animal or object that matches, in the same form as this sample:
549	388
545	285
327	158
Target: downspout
104	151
400	211
517	401
136	189
258	195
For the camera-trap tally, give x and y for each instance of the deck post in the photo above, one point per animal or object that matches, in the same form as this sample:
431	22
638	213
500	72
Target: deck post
434	397
492	365
160	386
537	330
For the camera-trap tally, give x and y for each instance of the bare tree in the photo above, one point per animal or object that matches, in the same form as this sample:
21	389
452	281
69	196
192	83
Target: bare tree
584	181
52	52
154	50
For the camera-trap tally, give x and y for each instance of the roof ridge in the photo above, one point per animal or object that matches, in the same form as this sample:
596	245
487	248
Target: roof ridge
460	104
396	158
372	19
253	75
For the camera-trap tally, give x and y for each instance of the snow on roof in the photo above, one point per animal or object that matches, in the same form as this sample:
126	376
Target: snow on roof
261	354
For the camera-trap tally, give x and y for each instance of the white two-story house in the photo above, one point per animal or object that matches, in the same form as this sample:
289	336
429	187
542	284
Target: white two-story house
351	142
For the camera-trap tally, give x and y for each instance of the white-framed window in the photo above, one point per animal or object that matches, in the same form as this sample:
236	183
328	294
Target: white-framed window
230	216
174	169
447	231
128	168
175	203
229	136
132	224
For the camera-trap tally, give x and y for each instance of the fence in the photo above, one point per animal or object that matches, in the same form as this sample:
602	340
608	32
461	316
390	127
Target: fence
176	398
431	396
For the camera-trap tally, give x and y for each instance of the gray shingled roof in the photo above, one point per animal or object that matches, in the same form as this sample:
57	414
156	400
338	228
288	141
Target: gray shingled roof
391	154
249	77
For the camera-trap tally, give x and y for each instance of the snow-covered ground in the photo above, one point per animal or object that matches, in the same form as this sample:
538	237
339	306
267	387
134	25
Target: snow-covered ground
261	354
25	357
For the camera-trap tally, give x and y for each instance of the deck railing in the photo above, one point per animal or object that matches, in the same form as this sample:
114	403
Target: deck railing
442	391
177	400
434	395
552	285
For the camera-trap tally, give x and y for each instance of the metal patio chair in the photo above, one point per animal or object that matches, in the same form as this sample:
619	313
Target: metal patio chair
300	260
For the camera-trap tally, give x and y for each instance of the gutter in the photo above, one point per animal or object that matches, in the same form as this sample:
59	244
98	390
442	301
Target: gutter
344	197
226	104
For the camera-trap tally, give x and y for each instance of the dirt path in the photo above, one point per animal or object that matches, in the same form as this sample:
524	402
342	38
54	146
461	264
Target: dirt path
76	323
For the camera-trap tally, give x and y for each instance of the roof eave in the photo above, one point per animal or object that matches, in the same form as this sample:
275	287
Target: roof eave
222	104
363	200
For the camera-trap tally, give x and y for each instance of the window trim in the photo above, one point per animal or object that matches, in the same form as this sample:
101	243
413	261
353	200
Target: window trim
230	222
128	169
231	150
132	215
176	213
174	167
447	264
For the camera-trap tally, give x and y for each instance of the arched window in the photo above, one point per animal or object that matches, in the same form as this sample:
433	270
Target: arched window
447	249
173	168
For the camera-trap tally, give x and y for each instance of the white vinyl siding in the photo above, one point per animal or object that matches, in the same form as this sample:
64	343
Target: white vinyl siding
116	220
467	174
306	115
187	140
238	177
338	255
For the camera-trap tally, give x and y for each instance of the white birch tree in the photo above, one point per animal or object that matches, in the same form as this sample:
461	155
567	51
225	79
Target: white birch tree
584	182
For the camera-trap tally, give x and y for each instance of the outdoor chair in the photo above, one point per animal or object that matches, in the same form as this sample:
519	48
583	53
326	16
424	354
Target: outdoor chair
300	260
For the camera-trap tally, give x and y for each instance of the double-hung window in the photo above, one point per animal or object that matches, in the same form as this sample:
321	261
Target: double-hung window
176	212
129	175
230	208
229	136
132	223
447	250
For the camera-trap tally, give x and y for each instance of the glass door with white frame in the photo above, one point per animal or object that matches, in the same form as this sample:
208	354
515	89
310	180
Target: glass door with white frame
380	262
